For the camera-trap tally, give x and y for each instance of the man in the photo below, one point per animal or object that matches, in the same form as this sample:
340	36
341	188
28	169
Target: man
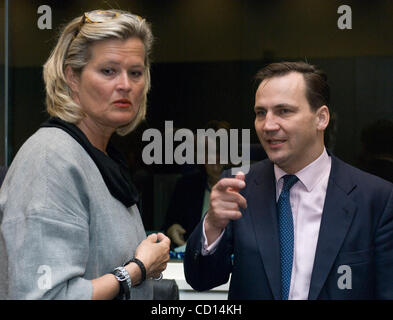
301	224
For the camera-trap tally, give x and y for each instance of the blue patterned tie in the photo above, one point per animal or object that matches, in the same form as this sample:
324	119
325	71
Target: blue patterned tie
285	221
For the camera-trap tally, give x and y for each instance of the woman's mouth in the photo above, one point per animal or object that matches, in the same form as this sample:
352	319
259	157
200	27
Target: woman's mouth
122	103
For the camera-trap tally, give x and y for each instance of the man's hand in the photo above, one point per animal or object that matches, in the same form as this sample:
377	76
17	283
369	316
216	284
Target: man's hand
176	232
225	201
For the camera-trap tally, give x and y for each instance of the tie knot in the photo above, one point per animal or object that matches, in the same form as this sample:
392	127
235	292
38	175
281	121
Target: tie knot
289	181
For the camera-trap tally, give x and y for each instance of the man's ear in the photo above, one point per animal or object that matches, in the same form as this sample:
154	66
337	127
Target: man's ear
72	79
323	117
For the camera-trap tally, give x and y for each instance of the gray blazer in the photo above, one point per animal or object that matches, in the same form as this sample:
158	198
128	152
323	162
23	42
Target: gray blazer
60	225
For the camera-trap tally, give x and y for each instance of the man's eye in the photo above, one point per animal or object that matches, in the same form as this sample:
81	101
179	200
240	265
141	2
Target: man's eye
260	113
285	111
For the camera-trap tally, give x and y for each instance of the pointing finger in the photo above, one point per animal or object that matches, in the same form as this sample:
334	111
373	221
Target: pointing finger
241	176
233	183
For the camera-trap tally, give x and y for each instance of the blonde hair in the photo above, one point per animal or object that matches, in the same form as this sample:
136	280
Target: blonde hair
72	49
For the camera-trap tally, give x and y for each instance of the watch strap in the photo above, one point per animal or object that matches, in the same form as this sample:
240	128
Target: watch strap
124	279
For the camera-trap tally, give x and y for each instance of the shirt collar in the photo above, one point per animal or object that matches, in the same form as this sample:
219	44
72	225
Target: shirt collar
310	175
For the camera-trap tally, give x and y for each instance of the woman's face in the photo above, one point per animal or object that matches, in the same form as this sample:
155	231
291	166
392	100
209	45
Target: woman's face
110	87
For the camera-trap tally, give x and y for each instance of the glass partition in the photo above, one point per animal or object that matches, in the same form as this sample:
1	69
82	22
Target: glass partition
3	80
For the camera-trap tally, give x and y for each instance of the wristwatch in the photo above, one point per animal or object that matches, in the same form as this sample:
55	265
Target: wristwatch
124	279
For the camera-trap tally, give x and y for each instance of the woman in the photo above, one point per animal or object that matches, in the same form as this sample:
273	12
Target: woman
70	221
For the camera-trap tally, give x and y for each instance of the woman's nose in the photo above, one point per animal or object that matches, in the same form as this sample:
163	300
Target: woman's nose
124	82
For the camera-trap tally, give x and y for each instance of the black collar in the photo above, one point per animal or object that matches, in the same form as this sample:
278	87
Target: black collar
113	167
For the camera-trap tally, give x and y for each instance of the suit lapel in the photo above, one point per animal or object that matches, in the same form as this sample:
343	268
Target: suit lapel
262	209
337	216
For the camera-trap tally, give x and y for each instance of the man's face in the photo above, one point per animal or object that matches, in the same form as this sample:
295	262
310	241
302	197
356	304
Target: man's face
289	131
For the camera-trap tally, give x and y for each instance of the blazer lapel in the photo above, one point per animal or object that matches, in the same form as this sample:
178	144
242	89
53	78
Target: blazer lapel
262	209
337	216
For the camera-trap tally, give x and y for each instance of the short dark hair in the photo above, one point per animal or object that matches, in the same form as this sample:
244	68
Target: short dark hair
317	88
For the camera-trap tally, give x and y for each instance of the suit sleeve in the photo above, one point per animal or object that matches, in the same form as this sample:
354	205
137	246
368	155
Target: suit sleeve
210	271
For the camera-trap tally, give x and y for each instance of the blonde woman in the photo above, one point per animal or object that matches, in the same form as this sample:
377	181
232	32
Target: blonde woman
70	223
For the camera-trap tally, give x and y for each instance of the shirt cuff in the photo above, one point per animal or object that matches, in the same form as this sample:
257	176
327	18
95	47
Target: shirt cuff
206	249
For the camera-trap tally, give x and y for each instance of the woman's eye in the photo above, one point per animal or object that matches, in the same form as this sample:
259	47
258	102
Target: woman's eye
136	74
108	71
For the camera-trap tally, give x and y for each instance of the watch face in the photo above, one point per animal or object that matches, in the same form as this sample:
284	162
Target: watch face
120	274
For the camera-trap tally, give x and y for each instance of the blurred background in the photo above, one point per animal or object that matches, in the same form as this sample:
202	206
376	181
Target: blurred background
205	57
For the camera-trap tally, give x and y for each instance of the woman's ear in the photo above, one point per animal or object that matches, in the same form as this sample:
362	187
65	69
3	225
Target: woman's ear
323	117
72	79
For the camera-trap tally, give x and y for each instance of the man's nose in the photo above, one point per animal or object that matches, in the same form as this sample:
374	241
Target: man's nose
270	123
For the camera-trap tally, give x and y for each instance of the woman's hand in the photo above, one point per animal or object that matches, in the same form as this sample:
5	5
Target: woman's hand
154	253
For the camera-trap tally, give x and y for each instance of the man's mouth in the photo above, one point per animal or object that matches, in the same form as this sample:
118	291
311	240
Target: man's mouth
275	143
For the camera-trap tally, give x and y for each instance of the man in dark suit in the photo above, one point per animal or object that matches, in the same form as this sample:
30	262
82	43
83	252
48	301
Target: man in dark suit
301	224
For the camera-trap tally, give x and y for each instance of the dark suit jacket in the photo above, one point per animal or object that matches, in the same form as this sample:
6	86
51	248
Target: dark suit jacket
185	207
356	230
